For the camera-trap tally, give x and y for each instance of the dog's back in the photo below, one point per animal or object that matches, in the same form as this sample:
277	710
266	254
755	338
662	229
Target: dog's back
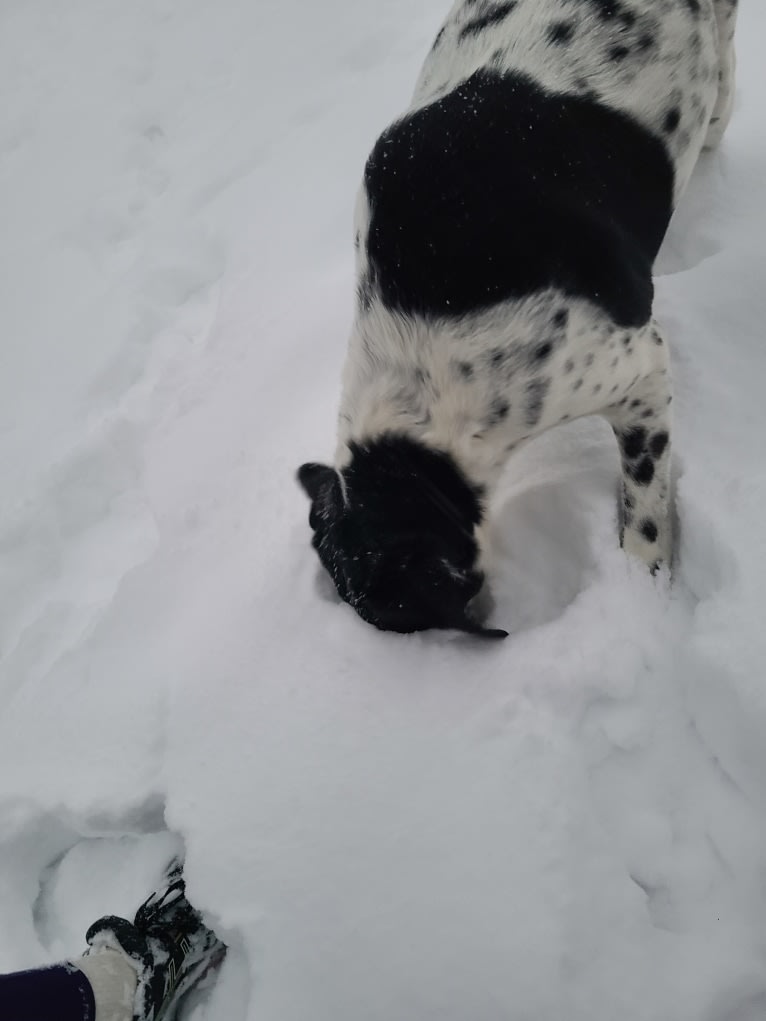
534	175
546	145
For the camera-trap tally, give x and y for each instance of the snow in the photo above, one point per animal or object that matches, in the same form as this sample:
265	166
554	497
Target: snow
567	824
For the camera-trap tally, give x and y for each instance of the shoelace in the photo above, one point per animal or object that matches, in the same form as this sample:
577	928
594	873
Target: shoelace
147	915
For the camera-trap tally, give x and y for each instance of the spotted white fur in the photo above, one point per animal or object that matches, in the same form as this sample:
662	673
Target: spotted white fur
435	380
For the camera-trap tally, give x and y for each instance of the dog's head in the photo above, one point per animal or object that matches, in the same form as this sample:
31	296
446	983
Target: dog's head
395	531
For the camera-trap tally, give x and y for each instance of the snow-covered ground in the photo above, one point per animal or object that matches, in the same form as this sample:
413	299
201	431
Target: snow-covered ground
567	825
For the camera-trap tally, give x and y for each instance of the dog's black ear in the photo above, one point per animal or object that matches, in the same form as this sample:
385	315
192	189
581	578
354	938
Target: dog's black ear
483	632
461	618
315	477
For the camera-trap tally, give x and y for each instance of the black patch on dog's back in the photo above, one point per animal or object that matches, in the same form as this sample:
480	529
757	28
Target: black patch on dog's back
500	189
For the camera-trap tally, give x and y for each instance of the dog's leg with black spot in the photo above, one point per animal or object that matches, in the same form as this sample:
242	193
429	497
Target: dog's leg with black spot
726	19
642	425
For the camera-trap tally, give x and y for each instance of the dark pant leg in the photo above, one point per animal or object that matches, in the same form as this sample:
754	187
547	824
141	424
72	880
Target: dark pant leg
60	993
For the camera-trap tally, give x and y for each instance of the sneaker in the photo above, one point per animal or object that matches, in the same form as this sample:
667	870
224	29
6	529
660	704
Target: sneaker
168	944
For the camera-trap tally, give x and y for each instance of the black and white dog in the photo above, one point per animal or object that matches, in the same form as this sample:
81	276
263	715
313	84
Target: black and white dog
505	232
